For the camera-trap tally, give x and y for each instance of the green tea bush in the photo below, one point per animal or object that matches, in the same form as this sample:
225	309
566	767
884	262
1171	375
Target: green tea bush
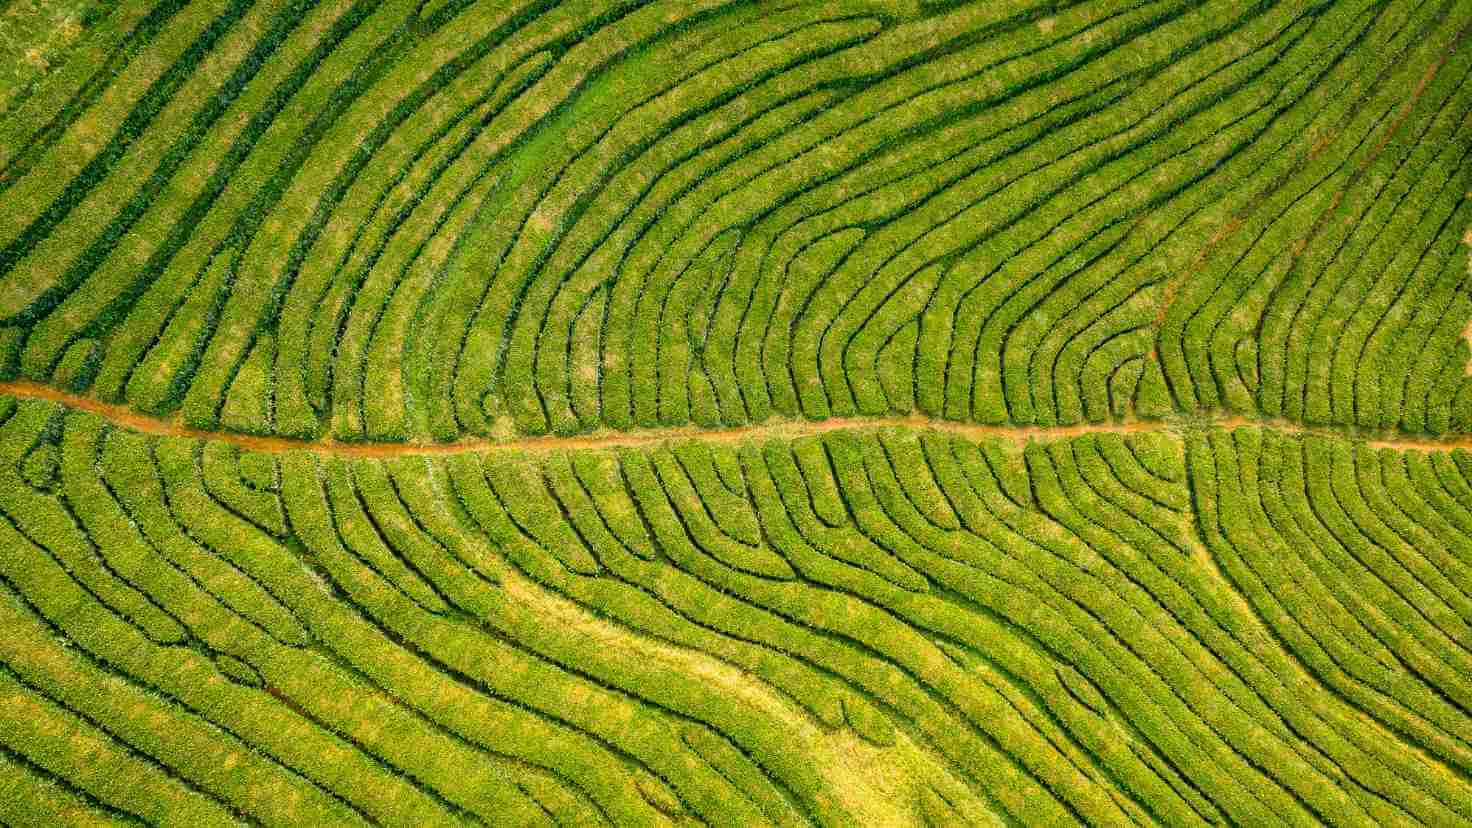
1037	412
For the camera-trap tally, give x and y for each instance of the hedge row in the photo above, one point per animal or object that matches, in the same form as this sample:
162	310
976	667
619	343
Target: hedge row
1185	629
617	216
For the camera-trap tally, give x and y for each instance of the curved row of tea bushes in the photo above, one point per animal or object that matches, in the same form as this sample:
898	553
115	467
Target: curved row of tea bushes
380	220
1191	628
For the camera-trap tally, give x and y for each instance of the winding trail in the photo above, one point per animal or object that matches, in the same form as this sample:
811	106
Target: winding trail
126	417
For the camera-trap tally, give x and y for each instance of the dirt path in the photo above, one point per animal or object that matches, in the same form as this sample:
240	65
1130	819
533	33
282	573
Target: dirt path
125	417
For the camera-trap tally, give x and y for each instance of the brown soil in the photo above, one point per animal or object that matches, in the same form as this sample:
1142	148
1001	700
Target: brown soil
125	417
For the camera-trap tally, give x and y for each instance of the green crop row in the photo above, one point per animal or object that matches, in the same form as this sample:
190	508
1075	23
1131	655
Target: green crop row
370	220
1287	546
1106	628
1231	236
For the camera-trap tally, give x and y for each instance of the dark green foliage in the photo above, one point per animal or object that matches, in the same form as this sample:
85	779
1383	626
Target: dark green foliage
1052	338
41	466
79	366
10	341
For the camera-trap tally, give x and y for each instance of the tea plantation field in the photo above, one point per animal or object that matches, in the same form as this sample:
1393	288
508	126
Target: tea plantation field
675	412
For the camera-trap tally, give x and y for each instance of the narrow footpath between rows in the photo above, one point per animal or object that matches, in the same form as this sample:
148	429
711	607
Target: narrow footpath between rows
125	417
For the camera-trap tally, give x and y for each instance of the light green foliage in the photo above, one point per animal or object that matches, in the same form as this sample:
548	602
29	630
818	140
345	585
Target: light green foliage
9	351
1017	387
1112	633
377	221
79	366
42	466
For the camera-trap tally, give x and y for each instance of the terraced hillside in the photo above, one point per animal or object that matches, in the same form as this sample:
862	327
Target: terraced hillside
846	412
